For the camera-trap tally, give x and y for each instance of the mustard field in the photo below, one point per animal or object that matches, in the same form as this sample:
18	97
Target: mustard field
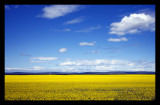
80	87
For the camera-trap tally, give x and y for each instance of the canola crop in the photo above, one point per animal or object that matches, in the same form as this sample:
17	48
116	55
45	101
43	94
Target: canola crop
80	87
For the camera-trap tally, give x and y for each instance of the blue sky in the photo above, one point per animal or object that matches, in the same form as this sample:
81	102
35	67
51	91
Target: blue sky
79	38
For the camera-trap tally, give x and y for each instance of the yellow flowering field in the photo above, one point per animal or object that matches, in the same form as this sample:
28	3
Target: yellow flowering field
80	87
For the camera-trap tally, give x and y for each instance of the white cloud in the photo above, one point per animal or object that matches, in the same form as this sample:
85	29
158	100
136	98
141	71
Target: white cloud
36	68
63	30
89	29
90	62
109	64
67	59
13	68
55	11
31	68
117	39
93	52
103	67
133	24
62	50
87	44
37	61
67	30
73	21
42	59
96	65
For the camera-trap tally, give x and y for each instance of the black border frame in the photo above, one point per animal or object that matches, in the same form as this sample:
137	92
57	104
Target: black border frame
102	2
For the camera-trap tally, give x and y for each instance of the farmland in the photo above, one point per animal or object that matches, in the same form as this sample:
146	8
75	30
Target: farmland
80	87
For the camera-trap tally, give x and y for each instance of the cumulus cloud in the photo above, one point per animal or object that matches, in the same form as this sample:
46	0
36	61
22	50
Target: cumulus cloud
117	39
55	11
134	23
87	43
89	29
91	62
110	64
96	65
61	50
73	21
